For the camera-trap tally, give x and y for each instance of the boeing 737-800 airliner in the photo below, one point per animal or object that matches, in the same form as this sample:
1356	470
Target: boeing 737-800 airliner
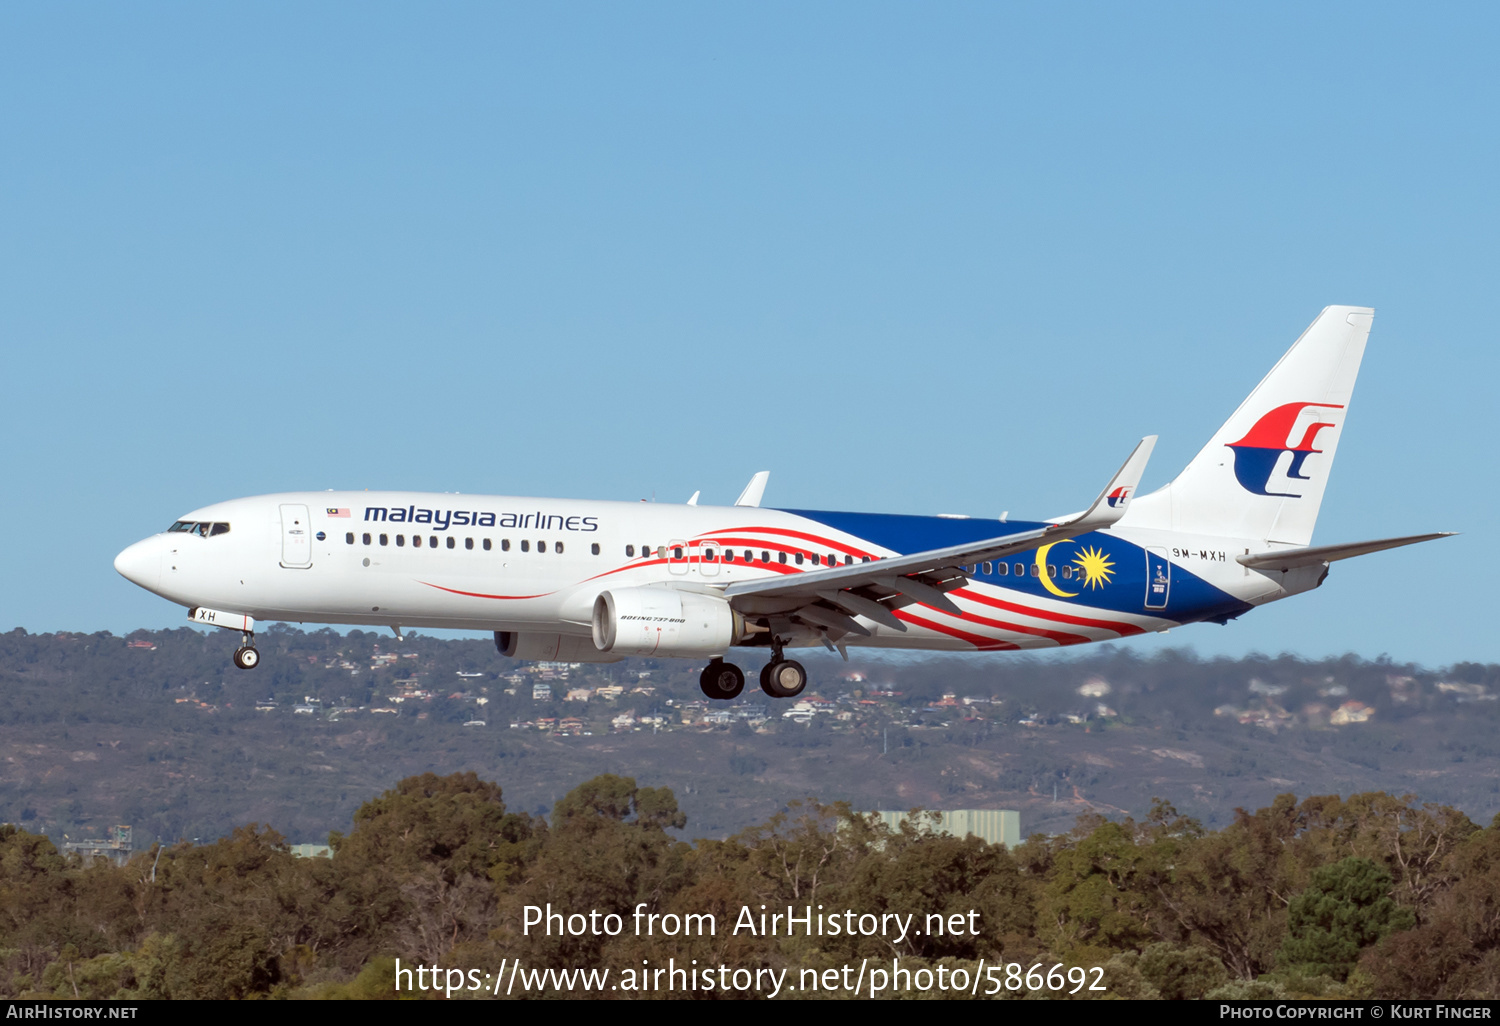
598	581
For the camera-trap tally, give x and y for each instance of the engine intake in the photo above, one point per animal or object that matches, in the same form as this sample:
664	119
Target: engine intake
664	622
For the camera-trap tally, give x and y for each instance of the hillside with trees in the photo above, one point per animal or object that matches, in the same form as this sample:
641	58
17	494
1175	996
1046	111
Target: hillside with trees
158	731
1370	896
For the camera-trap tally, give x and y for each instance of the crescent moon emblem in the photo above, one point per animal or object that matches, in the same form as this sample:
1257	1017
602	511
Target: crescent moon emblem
1041	562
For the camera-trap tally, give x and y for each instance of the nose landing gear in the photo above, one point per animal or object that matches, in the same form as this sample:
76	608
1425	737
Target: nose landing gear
721	681
246	657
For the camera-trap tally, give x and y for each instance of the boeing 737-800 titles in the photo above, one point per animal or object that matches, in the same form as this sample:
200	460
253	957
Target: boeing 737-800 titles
598	581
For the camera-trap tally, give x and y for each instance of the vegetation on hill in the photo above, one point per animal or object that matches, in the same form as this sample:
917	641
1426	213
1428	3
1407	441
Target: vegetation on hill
1366	897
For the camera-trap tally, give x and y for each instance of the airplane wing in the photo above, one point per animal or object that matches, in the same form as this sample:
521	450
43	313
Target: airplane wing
1291	559
828	600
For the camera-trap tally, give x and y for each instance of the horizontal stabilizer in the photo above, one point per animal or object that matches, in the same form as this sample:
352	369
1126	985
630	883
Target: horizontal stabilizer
1291	559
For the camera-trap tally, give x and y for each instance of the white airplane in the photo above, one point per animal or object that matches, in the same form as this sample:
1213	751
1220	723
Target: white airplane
559	579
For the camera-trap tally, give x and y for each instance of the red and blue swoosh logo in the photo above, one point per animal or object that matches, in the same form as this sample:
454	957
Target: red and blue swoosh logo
1257	454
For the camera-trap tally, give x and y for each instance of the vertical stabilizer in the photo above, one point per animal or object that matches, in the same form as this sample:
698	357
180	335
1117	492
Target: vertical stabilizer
1262	474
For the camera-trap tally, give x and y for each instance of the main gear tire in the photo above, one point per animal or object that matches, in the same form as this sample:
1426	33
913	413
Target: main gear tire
784	679
721	681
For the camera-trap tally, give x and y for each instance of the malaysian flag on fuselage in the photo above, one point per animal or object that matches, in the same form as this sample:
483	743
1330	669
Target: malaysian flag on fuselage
338	512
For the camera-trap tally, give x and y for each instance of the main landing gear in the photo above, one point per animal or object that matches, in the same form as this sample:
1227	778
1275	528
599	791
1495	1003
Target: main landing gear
721	680
246	657
780	678
783	678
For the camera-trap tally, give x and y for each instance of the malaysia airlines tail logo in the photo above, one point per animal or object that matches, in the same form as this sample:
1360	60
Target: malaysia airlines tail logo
1118	497
1257	454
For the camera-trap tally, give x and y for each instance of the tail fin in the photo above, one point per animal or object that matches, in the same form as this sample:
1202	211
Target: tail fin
1262	474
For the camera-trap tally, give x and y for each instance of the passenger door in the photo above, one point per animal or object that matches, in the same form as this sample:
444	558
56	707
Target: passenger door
296	537
1158	578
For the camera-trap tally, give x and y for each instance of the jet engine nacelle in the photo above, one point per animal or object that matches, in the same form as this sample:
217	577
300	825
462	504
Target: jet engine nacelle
558	648
664	622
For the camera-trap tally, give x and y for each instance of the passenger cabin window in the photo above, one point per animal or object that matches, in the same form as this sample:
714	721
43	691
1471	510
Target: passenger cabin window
504	544
557	547
781	557
432	541
486	545
989	568
401	540
708	554
385	539
1002	568
349	538
468	543
729	555
798	558
541	546
525	545
677	552
630	552
416	541
594	548
765	557
451	542
365	538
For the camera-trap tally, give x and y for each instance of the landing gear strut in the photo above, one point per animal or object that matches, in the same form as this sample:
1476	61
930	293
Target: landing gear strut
246	657
781	677
722	681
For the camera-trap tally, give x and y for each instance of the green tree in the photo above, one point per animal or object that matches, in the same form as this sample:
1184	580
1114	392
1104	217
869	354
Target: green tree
1346	908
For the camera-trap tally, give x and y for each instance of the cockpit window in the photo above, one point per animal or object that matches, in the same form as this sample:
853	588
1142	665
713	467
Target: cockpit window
202	528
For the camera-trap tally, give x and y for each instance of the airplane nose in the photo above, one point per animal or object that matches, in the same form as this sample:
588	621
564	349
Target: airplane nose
141	564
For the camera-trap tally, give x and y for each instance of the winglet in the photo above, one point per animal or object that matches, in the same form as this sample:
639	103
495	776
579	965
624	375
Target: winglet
694	500
754	490
1112	503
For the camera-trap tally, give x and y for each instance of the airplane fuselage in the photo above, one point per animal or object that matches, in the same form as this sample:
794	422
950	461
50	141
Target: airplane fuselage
513	564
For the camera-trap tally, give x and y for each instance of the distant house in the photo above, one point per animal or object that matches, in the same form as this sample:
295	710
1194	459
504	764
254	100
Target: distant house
577	695
1351	712
541	692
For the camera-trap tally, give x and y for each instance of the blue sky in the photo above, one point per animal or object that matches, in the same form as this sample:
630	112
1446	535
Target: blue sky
913	258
